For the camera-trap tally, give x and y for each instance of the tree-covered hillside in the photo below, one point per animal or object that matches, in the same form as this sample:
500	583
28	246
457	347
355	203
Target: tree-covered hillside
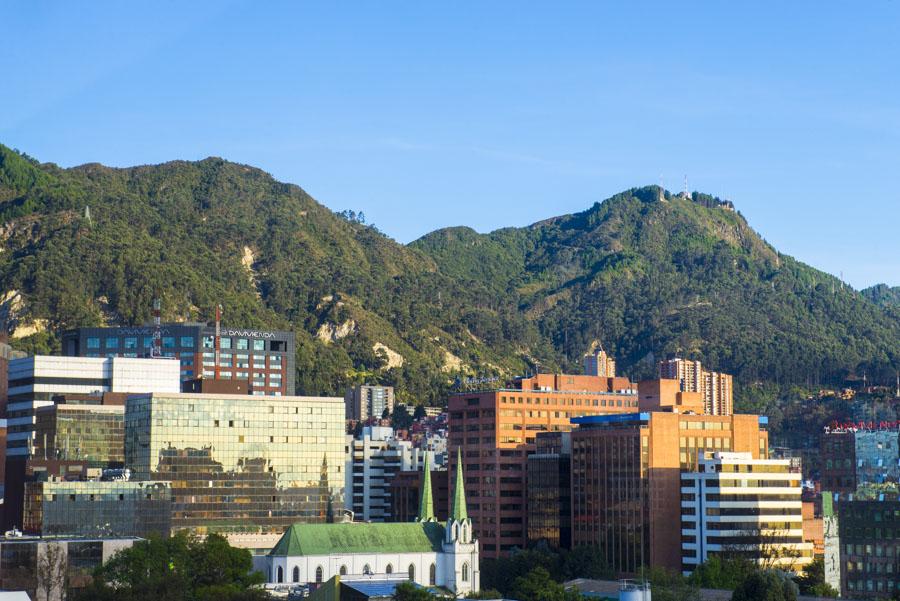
884	295
92	245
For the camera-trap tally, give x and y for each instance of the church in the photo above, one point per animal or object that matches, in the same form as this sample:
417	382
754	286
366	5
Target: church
431	554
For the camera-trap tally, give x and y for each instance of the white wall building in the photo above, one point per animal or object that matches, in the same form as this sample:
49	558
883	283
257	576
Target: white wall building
735	503
426	552
371	464
34	381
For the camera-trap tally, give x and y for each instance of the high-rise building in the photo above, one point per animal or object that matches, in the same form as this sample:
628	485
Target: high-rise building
496	430
239	463
406	492
626	478
6	355
372	463
265	359
365	401
853	456
94	434
734	503
549	497
598	363
717	388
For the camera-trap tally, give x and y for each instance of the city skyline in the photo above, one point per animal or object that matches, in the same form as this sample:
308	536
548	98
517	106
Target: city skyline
507	117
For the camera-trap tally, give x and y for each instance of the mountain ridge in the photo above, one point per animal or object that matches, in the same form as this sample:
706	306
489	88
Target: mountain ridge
648	277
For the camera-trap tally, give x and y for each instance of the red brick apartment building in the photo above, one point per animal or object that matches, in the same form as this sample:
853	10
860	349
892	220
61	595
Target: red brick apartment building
496	430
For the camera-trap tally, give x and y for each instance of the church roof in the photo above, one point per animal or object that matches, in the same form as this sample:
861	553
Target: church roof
426	503
458	509
332	539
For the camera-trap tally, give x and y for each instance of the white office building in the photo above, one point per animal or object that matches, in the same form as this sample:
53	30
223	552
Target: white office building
737	504
34	381
371	464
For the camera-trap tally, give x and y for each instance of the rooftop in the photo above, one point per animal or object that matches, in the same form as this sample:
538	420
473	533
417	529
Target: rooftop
358	537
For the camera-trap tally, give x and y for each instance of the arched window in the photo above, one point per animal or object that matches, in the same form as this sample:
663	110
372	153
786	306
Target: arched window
389	569
367	569
343	571
465	572
412	572
296	574
432	575
280	576
319	574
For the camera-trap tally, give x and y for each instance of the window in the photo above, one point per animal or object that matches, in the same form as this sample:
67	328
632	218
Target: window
296	577
280	577
112	343
259	345
93	342
241	344
412	572
432	575
343	570
465	572
186	360
225	343
130	343
187	341
168	342
389	569
148	342
366	569
319	574
208	342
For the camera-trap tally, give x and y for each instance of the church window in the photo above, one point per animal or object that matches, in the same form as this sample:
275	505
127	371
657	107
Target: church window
432	575
389	569
465	572
367	569
296	574
343	571
412	572
319	574
280	577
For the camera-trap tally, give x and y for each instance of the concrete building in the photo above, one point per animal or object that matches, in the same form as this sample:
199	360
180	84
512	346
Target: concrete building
365	401
549	497
427	552
372	463
735	503
717	389
666	395
626	479
853	456
265	359
239	463
497	430
598	363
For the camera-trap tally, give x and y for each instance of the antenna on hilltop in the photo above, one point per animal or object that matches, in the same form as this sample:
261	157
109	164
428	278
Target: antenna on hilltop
685	193
662	190
87	215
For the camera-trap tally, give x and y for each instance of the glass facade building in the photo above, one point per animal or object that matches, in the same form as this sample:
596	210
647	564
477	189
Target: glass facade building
97	508
91	433
238	463
549	490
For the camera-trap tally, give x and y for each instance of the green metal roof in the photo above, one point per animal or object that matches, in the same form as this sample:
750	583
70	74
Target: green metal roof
458	509
330	539
426	503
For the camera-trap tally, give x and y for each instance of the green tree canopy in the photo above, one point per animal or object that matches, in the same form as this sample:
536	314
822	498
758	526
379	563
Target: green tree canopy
765	586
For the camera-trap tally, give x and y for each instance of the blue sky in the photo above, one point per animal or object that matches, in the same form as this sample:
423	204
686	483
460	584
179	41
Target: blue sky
489	114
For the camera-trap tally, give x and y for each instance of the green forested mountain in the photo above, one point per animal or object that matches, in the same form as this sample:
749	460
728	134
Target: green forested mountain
92	245
884	295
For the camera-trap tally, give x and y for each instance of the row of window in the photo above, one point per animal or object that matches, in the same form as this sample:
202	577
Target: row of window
187	342
367	570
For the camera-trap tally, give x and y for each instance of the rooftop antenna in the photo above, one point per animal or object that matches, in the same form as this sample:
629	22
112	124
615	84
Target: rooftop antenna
156	349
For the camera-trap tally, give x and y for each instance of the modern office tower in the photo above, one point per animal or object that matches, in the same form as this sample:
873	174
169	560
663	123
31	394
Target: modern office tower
853	456
73	561
734	503
239	463
549	496
365	401
717	388
372	463
598	363
406	493
626	478
666	395
6	355
98	508
863	555
265	359
496	430
94	434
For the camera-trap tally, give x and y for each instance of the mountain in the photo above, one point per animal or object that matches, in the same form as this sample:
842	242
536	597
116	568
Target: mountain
884	295
648	277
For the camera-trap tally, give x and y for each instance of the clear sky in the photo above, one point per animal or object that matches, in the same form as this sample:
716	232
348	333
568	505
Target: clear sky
489	114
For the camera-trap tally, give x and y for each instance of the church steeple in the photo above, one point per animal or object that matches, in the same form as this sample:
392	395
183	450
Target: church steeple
458	510
426	503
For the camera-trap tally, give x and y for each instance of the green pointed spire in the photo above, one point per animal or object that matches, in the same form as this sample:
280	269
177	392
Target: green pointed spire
458	510
426	503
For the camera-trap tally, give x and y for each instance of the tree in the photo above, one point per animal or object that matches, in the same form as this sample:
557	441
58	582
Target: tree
400	418
585	561
407	591
722	572
668	585
812	581
765	586
419	412
537	585
490	593
51	572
